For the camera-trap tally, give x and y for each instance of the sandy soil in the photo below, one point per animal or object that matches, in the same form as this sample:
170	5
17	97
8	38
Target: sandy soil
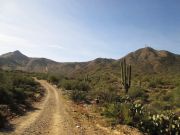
55	116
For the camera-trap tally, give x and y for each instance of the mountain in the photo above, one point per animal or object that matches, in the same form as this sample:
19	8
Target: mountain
144	60
13	60
154	61
18	61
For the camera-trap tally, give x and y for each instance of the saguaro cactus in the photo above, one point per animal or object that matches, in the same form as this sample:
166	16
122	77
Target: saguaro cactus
125	75
86	78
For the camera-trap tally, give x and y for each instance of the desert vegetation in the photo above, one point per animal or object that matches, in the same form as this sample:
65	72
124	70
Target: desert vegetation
151	104
18	91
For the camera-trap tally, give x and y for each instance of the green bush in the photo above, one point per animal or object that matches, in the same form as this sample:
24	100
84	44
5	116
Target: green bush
158	106
82	86
20	95
17	89
168	97
119	113
125	115
78	96
53	79
155	82
2	120
74	85
111	110
41	76
105	95
176	96
137	93
68	84
152	84
6	96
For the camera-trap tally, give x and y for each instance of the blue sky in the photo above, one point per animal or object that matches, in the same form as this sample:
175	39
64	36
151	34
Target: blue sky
81	30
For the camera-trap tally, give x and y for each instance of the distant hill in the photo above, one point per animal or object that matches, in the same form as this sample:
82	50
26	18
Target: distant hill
153	61
13	60
18	61
144	60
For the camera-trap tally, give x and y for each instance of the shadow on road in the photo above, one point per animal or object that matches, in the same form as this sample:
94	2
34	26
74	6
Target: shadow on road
9	127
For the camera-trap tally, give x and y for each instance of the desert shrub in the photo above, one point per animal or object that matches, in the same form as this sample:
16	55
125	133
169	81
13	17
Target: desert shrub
158	106
78	96
105	95
166	96
53	79
2	120
17	89
125	115
82	86
21	81
137	92
74	85
111	110
119	113
176	96
152	84
68	84
41	76
19	95
155	82
176	80
6	96
64	84
2	77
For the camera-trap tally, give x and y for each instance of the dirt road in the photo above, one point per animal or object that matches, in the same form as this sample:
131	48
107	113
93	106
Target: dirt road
53	116
49	117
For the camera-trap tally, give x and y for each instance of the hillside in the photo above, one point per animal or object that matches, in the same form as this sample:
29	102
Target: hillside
96	85
145	60
153	61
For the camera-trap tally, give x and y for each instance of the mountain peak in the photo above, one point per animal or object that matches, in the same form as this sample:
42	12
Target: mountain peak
16	53
146	50
15	57
151	52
